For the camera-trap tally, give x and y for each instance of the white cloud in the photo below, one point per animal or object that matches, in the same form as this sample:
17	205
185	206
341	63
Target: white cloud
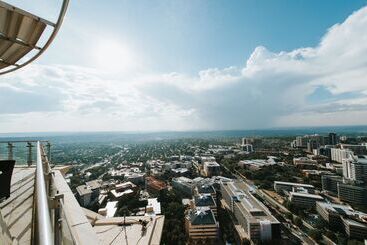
272	89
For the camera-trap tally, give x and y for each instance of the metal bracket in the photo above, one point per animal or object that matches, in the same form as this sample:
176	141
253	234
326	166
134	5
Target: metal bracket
54	201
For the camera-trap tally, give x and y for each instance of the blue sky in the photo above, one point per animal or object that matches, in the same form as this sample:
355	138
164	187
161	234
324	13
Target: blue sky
189	36
183	65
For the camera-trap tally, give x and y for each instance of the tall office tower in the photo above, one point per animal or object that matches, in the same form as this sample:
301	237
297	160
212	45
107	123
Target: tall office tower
355	169
333	139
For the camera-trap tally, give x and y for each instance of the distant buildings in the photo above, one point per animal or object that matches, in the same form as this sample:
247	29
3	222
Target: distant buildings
153	208
304	162
311	142
304	200
356	149
205	189
280	186
251	141
248	148
355	168
154	185
355	195
183	185
122	190
83	195
88	194
136	178
205	201
330	183
346	190
338	155
343	218
201	226
256	164
254	218
211	169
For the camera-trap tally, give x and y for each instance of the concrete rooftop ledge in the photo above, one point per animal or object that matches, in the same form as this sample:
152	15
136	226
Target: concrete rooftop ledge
80	227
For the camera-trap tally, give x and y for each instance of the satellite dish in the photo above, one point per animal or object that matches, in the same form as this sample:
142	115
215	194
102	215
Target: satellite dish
20	32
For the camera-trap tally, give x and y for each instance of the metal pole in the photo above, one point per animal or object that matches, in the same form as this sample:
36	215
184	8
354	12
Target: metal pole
43	211
10	151
29	161
49	152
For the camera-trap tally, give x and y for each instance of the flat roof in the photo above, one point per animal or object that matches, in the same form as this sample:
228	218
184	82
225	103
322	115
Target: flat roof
113	231
111	209
308	195
293	184
94	184
183	179
249	205
153	202
121	193
212	164
83	190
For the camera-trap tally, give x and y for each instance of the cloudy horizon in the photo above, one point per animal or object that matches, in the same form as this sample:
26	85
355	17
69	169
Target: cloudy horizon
115	86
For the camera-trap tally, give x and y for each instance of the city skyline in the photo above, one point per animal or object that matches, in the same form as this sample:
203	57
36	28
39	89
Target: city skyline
193	66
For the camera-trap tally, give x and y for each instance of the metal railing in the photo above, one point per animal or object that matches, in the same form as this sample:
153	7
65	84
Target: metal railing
50	224
44	228
22	150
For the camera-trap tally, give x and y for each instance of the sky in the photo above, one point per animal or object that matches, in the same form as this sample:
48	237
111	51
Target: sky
193	65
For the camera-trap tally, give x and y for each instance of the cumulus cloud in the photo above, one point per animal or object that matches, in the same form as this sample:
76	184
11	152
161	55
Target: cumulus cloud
322	85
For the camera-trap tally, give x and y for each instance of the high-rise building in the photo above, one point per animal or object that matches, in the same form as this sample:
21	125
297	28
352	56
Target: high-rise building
248	148
333	139
355	168
338	155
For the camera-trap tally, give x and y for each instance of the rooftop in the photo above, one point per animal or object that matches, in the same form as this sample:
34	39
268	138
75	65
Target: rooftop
183	179
248	204
94	184
293	184
206	189
204	200
154	205
129	230
83	190
201	216
302	194
345	211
